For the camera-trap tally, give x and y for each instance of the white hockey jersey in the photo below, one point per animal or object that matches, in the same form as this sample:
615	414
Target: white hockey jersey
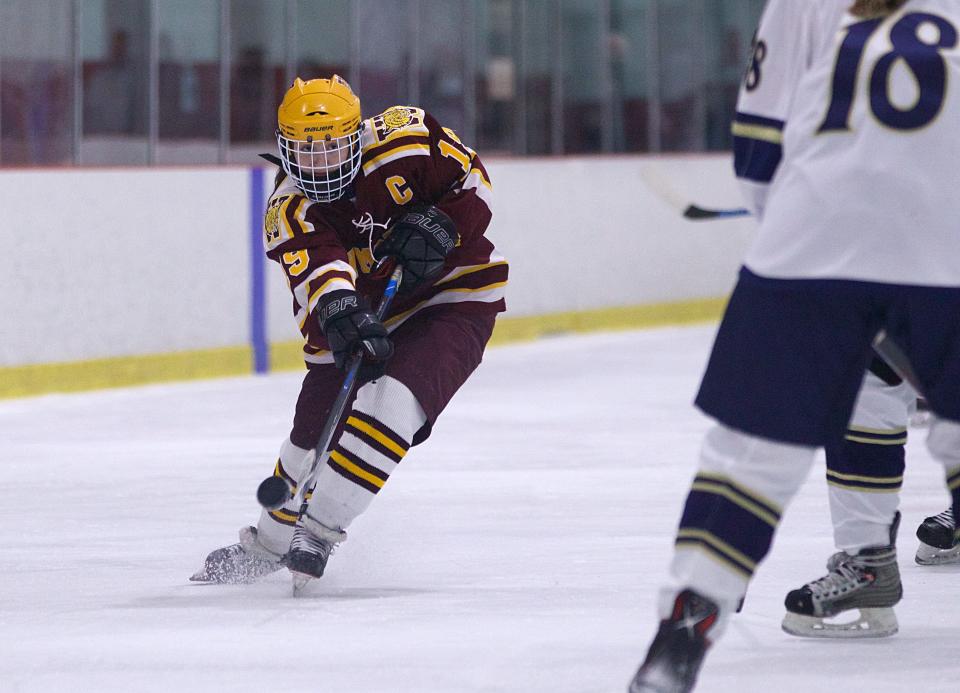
847	143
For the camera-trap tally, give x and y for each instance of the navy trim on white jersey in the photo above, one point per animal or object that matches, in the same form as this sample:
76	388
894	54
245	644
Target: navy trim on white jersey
757	146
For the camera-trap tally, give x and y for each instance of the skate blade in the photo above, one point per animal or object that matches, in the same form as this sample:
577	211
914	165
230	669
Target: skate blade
300	581
871	623
930	555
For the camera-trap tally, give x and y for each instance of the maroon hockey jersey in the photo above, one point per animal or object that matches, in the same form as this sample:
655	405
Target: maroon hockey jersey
407	158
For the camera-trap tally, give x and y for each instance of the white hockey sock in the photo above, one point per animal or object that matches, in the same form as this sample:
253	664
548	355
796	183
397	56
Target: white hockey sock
275	527
861	519
865	471
734	506
376	436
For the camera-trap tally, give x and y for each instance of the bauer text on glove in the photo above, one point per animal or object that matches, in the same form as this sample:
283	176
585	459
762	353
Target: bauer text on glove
420	240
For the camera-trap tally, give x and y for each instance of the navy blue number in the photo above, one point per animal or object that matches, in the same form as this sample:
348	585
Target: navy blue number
923	59
751	79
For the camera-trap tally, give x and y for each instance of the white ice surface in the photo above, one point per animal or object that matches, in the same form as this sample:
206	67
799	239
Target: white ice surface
518	550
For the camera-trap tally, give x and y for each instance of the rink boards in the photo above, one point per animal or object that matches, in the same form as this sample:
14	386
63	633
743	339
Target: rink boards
123	275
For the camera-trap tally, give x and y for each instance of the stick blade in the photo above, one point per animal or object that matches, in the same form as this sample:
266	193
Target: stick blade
698	213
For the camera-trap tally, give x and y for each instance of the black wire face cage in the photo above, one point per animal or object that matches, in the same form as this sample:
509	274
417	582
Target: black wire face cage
323	168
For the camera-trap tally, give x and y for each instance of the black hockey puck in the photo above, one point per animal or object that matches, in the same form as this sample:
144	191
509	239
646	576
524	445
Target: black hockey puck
273	492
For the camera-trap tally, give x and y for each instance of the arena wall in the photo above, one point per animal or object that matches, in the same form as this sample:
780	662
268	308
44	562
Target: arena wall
120	276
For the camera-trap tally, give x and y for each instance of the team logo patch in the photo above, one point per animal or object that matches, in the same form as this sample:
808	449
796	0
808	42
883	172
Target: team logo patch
396	118
271	220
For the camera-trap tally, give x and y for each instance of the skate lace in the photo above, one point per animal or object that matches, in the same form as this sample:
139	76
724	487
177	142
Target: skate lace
844	578
304	541
945	519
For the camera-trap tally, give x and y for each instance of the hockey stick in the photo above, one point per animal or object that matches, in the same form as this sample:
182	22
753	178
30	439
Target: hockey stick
661	188
274	491
698	213
896	359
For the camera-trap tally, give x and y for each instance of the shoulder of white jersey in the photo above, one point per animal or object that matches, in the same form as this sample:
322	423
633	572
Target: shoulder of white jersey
790	38
286	215
398	132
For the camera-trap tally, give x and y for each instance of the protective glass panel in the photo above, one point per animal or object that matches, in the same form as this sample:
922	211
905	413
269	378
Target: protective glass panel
632	74
257	75
681	36
386	30
583	76
323	39
496	91
538	52
36	82
443	51
114	48
189	74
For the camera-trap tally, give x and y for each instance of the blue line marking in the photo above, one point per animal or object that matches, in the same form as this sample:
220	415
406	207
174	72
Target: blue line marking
258	298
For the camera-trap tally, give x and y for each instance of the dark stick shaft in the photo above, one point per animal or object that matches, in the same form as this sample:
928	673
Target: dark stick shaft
340	403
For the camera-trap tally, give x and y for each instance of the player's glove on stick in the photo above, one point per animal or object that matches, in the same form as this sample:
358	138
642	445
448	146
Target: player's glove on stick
420	240
349	325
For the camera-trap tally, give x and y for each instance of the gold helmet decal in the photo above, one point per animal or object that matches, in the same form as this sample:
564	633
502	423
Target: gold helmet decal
319	108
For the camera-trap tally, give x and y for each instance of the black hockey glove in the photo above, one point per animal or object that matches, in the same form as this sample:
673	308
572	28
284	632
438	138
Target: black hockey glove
349	325
420	240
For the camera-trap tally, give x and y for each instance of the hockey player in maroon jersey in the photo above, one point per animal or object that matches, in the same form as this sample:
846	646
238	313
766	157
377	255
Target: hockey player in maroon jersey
349	194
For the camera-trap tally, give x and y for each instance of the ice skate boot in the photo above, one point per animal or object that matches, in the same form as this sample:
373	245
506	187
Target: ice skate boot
310	549
939	543
676	653
869	582
239	563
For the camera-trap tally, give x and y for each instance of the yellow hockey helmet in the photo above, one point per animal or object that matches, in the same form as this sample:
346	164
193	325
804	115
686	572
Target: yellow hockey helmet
318	133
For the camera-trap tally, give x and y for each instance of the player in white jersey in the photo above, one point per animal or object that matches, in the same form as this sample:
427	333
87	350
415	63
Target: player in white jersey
855	131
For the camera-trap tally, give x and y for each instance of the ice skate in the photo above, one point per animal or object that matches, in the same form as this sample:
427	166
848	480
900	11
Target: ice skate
239	563
676	653
310	550
868	582
939	544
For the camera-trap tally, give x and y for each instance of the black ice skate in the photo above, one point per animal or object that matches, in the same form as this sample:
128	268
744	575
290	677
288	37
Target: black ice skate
310	549
938	540
676	653
868	582
240	563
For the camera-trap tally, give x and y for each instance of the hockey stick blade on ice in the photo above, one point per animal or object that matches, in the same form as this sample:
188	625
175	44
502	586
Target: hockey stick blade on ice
890	352
698	213
274	491
656	183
